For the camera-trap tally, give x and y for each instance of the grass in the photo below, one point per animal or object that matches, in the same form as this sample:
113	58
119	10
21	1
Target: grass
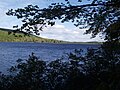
4	37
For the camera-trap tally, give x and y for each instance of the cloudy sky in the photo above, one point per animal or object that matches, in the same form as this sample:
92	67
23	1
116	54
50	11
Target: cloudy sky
60	31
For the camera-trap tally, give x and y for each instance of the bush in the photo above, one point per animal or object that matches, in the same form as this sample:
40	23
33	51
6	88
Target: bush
91	71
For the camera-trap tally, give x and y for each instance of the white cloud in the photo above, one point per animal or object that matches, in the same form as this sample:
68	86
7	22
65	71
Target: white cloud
61	32
58	27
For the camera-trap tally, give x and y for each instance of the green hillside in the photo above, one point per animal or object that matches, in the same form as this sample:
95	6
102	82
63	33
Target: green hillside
18	37
4	37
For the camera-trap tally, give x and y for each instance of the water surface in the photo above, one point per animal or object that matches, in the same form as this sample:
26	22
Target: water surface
12	51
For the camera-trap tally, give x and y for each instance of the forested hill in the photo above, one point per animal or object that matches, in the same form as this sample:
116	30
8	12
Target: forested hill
18	37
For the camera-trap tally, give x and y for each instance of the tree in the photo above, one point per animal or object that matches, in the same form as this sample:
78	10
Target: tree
98	15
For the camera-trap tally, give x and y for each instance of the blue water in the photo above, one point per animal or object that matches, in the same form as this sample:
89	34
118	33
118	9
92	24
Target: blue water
12	51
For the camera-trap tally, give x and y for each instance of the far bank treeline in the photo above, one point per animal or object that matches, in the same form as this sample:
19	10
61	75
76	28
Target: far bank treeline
19	37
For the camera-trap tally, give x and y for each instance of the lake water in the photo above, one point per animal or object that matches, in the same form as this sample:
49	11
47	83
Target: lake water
12	51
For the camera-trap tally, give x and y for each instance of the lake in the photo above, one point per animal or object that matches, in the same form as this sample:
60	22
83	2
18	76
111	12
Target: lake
12	51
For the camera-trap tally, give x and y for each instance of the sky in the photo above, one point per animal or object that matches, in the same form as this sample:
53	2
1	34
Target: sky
60	31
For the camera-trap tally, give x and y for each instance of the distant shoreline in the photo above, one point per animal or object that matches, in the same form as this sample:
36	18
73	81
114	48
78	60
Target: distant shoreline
57	43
